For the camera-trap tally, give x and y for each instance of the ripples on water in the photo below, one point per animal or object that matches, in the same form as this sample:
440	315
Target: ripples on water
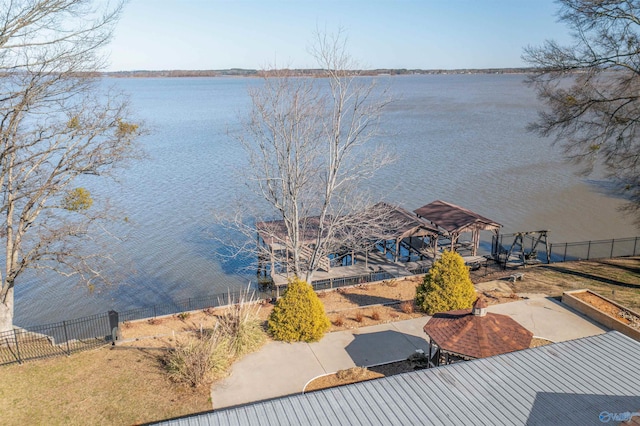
460	138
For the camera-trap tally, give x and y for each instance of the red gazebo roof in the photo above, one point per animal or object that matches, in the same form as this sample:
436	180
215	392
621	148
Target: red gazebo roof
477	335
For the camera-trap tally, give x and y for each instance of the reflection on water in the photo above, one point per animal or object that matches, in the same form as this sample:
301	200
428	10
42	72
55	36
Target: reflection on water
459	138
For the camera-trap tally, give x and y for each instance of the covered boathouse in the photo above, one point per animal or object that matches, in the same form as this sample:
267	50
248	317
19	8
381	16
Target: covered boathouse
398	245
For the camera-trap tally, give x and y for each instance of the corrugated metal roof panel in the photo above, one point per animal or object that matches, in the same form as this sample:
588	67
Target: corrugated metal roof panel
559	383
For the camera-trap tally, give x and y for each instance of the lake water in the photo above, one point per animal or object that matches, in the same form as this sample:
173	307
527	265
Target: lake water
459	138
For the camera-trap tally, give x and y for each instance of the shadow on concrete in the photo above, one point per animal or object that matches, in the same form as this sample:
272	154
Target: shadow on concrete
383	347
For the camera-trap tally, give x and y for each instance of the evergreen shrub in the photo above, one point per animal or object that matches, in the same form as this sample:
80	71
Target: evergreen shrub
299	315
447	286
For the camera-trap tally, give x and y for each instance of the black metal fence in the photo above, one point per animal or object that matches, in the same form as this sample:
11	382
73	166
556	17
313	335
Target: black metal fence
66	337
232	297
348	281
191	304
62	338
600	249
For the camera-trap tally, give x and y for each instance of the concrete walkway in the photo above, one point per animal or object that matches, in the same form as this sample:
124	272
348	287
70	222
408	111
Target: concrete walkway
547	318
280	369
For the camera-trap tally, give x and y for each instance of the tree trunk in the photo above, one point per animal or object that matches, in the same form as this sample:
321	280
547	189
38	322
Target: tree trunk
6	312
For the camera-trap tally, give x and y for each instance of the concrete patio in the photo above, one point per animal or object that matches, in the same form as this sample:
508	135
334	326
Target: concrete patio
280	369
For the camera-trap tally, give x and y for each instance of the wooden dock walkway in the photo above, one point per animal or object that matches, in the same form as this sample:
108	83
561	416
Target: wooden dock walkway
397	269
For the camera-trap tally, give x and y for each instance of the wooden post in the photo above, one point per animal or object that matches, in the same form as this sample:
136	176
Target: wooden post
473	242
613	244
548	248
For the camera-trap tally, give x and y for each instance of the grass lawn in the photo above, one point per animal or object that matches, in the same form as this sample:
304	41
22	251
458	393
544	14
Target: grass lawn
127	385
616	279
99	387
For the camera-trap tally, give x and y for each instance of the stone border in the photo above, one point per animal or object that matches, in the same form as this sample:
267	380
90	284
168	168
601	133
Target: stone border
599	316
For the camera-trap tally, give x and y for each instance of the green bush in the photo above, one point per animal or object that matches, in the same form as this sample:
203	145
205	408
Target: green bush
299	315
447	286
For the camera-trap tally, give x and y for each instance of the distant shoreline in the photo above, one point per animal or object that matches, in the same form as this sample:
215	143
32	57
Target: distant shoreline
239	72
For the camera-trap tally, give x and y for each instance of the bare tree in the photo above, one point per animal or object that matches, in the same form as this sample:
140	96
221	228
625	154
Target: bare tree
56	124
310	146
592	89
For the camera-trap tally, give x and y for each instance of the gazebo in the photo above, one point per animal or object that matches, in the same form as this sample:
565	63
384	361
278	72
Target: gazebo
467	334
454	220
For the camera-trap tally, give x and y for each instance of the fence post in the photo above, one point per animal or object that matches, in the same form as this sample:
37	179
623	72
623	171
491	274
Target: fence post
635	244
564	259
613	241
15	339
66	337
154	311
588	250
114	321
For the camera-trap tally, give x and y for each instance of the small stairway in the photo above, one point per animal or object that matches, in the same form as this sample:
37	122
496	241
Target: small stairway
324	263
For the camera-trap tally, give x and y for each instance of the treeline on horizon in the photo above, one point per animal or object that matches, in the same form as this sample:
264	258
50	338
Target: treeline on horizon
240	72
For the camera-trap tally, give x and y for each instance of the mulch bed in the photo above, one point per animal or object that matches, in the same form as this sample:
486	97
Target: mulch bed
622	315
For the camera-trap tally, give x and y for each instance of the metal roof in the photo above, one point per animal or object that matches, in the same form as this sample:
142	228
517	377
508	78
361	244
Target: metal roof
564	383
454	219
382	220
400	223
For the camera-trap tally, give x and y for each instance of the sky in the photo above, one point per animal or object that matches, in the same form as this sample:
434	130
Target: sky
412	34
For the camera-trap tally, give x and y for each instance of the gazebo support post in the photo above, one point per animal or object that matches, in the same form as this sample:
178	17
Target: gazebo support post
475	241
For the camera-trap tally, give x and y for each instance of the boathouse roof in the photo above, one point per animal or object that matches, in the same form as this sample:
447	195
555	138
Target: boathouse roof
400	223
454	219
384	220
